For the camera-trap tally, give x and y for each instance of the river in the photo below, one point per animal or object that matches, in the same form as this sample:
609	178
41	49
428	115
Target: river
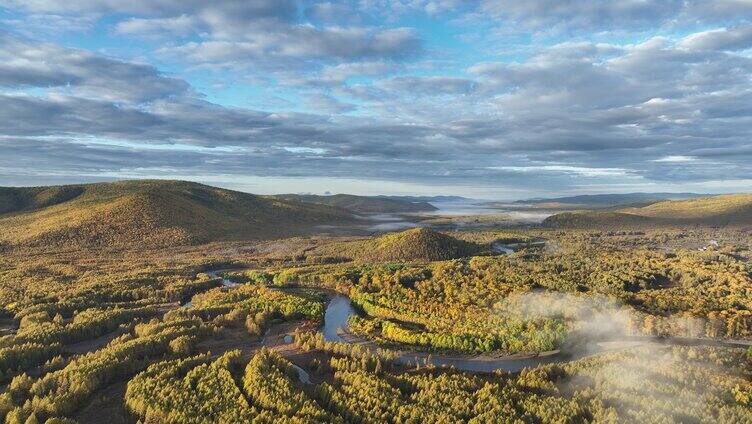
213	274
502	248
339	310
336	329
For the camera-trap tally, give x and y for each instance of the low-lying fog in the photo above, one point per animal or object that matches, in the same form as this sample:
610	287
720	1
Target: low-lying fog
513	215
457	214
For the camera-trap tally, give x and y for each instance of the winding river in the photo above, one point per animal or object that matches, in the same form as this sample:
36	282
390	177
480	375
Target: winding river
339	310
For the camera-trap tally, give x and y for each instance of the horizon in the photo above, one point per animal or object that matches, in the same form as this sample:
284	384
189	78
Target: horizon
381	194
486	99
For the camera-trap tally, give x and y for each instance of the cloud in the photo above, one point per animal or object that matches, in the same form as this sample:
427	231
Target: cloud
24	115
651	92
583	15
736	38
327	104
251	32
567	169
228	10
279	49
337	75
717	10
394	8
28	63
428	86
253	38
182	25
676	159
332	13
625	15
530	121
375	98
33	25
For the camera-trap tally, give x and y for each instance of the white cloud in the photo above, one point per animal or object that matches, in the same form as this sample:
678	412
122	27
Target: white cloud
566	169
735	38
321	103
676	159
181	25
293	46
28	63
388	101
618	16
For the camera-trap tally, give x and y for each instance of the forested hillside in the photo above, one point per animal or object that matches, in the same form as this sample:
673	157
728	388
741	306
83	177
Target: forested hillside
716	211
409	245
148	213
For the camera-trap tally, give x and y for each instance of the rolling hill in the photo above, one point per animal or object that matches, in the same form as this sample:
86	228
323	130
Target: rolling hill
417	244
714	211
149	213
363	204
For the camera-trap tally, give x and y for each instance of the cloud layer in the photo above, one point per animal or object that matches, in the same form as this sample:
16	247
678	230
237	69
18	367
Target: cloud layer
590	96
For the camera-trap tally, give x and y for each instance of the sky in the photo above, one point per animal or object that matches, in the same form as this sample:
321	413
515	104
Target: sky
496	99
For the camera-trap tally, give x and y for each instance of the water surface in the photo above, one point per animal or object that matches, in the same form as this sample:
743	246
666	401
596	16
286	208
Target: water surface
338	311
212	274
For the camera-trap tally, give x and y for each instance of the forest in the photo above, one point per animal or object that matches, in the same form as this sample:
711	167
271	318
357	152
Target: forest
213	333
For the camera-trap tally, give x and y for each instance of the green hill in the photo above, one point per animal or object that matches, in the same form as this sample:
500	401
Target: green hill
715	211
418	244
363	204
149	213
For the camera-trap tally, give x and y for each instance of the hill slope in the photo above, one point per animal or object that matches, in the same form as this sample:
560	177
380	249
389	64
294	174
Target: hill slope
363	204
715	211
148	213
417	244
17	199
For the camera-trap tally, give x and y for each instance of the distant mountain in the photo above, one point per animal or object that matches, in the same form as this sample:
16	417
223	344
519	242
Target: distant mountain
363	204
149	213
608	200
714	211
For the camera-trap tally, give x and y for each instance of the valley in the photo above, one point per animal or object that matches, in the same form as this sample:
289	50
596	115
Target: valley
475	323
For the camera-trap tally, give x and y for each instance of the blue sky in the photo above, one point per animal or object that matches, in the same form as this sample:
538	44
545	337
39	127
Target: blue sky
489	98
